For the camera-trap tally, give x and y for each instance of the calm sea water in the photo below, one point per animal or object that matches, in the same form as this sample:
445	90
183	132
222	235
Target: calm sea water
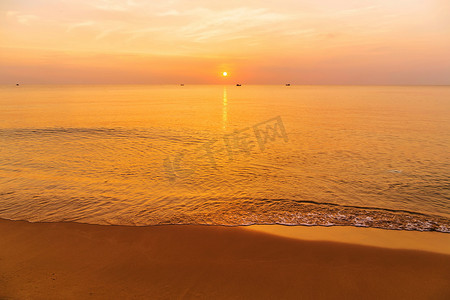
298	155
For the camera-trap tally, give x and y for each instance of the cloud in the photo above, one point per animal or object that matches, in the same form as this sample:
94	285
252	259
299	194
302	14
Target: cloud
11	13
80	24
21	17
207	24
171	12
114	5
198	25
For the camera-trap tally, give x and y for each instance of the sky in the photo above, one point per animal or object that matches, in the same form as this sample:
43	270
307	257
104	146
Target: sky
194	41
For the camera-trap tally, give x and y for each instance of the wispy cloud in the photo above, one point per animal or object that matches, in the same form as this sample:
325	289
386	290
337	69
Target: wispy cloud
22	18
195	25
114	5
171	12
80	24
206	24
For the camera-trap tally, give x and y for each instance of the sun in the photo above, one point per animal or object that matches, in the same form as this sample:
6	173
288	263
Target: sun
225	74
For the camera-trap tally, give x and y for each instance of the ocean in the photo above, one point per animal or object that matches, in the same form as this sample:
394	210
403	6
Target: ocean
367	156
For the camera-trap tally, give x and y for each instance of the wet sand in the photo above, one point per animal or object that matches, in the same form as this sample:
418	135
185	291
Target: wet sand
80	261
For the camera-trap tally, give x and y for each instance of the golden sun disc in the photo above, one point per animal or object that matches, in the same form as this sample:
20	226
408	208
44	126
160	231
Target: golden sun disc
225	74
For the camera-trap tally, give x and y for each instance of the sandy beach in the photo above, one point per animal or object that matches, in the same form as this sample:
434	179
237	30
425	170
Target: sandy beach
80	261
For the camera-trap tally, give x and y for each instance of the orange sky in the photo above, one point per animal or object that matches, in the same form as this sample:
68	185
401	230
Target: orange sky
260	42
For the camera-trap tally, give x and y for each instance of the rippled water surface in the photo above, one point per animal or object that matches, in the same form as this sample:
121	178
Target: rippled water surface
310	155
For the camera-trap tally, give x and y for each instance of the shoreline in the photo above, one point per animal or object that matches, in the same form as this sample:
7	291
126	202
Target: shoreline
78	261
429	241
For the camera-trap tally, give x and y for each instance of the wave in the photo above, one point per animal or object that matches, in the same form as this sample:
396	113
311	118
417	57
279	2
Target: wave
310	213
243	212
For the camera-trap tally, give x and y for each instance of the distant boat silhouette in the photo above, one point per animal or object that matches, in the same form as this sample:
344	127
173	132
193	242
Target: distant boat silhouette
238	84
182	84
17	84
288	84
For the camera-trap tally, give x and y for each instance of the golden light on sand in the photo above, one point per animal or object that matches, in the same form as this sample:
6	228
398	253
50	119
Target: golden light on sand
224	74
